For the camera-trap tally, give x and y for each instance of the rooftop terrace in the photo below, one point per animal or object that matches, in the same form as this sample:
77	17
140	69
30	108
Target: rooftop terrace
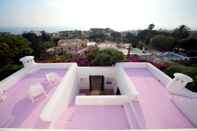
18	111
144	100
155	107
94	118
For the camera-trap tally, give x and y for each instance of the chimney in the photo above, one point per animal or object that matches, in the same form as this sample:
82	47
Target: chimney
27	61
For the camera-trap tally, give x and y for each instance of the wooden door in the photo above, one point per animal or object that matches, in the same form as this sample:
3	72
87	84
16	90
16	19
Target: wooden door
96	83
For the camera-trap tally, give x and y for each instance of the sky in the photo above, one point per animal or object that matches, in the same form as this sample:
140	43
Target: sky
85	14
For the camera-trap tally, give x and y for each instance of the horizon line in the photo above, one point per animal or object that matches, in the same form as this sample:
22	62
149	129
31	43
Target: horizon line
22	29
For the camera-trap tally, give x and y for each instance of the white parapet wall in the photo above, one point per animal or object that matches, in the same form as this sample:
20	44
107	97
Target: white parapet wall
28	63
62	97
132	64
102	100
29	67
53	65
161	76
8	82
125	84
12	79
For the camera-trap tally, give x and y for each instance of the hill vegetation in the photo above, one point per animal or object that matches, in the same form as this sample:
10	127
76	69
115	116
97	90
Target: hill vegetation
180	40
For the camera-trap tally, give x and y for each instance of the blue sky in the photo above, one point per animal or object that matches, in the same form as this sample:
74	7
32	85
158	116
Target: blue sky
84	14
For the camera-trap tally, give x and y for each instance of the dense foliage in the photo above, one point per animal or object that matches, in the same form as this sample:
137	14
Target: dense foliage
103	57
39	43
107	57
7	70
13	47
182	32
162	43
189	45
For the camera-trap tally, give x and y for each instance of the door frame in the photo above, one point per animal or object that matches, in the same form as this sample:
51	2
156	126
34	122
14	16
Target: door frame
91	80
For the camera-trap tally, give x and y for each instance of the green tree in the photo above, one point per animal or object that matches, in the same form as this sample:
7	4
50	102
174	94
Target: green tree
5	54
194	34
130	38
39	43
92	54
116	37
45	36
48	44
13	47
97	36
147	34
181	32
108	57
189	45
151	27
34	42
162	43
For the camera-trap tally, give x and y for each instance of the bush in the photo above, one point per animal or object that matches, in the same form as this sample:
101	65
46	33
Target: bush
83	62
161	66
107	57
162	43
57	59
92	54
8	70
135	58
188	70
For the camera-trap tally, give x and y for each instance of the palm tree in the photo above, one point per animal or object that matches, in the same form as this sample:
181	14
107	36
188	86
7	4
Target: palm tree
149	33
129	50
151	27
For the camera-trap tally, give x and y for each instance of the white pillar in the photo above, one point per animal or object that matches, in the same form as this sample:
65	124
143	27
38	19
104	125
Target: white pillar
27	61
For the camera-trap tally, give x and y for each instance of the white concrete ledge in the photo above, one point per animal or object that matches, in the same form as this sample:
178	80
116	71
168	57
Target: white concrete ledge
12	79
161	76
101	100
125	85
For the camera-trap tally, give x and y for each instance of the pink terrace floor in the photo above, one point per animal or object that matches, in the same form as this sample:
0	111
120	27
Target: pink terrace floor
155	109
18	111
94	118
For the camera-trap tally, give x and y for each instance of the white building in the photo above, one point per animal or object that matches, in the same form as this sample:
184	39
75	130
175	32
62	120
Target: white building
126	96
